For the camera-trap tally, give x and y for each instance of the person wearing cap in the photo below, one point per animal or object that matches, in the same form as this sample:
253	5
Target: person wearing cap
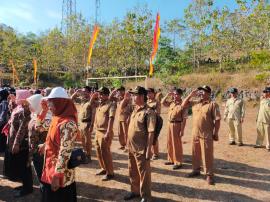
103	125
156	106
234	115
124	110
176	125
205	128
86	118
57	179
263	120
140	140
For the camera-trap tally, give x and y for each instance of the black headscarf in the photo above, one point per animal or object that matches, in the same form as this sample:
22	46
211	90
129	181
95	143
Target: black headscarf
3	94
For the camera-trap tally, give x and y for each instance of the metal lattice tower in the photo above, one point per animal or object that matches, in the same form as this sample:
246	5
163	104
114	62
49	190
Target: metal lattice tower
68	10
97	14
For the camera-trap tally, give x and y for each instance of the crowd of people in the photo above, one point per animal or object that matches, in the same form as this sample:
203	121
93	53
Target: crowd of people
40	128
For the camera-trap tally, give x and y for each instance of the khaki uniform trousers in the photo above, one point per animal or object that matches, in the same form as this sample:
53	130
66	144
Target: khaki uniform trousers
103	149
203	152
86	138
174	143
122	132
140	174
235	128
263	130
155	149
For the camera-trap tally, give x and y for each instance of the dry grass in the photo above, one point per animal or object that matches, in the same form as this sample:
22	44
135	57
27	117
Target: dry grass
244	80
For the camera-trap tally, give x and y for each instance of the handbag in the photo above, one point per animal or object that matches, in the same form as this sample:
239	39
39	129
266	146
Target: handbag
77	157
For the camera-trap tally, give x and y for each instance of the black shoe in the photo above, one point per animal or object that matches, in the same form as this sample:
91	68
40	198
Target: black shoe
130	196
87	160
257	146
240	144
176	167
193	174
168	163
210	180
232	143
268	150
144	200
102	172
18	188
155	157
122	148
22	193
107	177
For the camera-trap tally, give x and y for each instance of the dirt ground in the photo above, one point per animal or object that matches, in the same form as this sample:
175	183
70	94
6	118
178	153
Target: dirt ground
242	173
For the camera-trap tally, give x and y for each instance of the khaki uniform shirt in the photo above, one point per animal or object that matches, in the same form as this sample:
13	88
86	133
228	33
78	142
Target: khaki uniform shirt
104	111
234	109
176	113
264	111
155	105
204	117
124	111
159	96
87	115
138	129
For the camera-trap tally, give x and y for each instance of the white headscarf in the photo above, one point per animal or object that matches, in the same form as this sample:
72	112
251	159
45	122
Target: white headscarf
35	104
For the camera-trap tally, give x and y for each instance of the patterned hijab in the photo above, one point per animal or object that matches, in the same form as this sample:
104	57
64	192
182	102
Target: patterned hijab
22	95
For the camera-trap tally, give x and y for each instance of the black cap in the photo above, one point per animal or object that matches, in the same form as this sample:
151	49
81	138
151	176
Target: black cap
139	91
205	88
233	90
121	88
104	90
178	91
150	90
266	90
88	88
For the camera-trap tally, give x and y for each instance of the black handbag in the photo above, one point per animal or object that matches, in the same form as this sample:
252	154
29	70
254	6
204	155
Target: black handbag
77	157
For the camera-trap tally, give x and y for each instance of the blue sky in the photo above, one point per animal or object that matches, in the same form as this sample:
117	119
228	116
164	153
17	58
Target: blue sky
40	15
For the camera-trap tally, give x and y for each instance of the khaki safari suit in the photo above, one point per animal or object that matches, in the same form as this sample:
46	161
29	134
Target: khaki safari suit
104	111
139	167
204	116
234	112
86	123
124	111
263	123
156	106
176	116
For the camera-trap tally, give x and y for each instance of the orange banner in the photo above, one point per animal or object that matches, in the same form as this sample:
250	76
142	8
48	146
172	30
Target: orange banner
92	42
14	72
35	70
155	45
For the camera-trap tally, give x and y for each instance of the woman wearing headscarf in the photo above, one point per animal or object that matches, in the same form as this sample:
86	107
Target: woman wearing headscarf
16	165
58	180
3	117
38	129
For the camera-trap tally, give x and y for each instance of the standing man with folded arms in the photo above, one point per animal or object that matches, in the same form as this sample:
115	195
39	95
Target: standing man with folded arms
234	115
140	140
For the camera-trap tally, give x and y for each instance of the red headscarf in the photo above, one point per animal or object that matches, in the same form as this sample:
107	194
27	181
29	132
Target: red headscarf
64	108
